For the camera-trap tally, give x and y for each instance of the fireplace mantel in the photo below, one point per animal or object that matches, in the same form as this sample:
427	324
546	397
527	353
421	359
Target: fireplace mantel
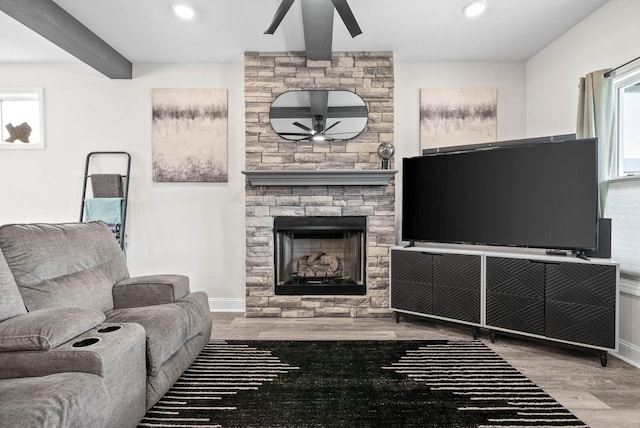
320	177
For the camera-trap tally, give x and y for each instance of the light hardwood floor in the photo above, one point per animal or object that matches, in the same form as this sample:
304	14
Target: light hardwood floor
603	397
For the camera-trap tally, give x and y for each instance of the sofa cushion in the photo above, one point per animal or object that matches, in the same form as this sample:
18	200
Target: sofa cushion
46	328
57	400
167	328
11	303
55	265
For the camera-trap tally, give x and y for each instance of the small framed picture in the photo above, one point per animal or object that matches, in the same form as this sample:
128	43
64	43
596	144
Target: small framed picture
21	118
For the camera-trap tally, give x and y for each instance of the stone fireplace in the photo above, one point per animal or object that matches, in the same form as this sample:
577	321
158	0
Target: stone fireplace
326	195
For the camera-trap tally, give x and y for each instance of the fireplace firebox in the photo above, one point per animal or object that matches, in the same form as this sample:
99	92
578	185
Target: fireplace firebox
320	255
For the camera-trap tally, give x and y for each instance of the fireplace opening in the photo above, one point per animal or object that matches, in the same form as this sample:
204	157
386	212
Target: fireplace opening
320	255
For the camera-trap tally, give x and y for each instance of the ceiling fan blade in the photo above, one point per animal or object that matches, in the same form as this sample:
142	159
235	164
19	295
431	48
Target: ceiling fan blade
299	125
325	131
294	134
347	17
279	16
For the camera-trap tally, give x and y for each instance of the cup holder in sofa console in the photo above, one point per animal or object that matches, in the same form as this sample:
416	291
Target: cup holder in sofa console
109	329
86	342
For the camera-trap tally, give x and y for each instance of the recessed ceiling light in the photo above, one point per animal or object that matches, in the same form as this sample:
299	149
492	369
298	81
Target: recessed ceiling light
475	8
184	11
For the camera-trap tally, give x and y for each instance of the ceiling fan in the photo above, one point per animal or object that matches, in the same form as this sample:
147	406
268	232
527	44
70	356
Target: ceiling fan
341	6
317	133
317	18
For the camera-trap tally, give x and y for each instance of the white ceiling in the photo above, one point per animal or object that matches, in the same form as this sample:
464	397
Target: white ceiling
146	31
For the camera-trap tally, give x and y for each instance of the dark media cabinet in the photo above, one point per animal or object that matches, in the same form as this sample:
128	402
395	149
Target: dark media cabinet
558	298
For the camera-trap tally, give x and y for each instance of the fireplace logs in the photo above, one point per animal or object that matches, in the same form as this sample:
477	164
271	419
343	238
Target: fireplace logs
318	265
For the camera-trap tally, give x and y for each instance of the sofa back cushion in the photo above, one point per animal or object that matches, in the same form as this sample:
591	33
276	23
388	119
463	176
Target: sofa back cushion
11	303
62	265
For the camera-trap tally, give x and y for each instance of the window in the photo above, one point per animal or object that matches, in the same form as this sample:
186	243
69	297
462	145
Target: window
21	118
623	196
628	111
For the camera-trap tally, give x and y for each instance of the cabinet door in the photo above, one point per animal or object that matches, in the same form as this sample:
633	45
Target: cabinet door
515	294
411	281
581	302
456	286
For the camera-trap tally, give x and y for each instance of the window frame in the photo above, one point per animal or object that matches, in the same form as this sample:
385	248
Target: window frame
622	79
5	93
619	182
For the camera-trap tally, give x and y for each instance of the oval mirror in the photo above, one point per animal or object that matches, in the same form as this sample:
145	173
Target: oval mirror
318	115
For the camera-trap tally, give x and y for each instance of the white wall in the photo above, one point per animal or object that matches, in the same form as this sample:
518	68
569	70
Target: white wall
509	78
189	228
606	39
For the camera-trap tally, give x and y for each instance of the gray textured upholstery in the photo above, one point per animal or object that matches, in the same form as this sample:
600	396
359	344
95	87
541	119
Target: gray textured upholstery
197	305
52	401
117	360
69	276
158	385
167	327
47	328
12	304
62	265
149	290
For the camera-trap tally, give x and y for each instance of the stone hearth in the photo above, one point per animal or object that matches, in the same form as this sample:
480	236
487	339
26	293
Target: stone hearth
267	75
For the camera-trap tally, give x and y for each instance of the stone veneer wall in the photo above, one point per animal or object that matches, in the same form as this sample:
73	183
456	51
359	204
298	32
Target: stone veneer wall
267	75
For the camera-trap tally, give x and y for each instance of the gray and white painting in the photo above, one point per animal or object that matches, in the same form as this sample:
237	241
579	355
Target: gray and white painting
189	135
454	117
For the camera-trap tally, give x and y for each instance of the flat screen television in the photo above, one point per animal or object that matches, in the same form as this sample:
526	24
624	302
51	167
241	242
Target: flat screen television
541	195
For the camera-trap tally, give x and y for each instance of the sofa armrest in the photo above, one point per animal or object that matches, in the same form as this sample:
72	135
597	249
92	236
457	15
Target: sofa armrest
46	329
115	352
149	290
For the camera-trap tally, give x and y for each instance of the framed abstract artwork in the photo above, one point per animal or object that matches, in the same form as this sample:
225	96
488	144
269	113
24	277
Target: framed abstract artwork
189	135
454	117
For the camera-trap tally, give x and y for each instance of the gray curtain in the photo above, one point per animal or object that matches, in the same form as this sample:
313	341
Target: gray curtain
596	118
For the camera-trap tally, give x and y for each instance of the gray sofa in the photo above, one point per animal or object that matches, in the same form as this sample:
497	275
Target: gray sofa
82	343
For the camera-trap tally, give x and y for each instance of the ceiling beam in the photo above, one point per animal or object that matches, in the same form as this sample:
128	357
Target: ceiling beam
306	113
317	20
319	101
53	23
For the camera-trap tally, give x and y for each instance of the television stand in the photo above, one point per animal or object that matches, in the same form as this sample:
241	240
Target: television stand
567	300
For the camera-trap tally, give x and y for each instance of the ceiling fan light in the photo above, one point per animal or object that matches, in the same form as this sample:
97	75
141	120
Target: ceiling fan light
475	8
184	11
318	137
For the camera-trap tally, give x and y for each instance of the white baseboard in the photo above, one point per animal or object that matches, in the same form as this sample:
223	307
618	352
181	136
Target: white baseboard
628	352
226	305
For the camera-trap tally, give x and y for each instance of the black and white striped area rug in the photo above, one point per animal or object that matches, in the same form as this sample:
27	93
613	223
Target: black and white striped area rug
355	384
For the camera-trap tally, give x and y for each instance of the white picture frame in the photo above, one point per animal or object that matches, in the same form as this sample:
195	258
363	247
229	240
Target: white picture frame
22	118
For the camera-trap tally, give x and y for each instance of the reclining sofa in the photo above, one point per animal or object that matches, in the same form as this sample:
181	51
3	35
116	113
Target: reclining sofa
82	343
